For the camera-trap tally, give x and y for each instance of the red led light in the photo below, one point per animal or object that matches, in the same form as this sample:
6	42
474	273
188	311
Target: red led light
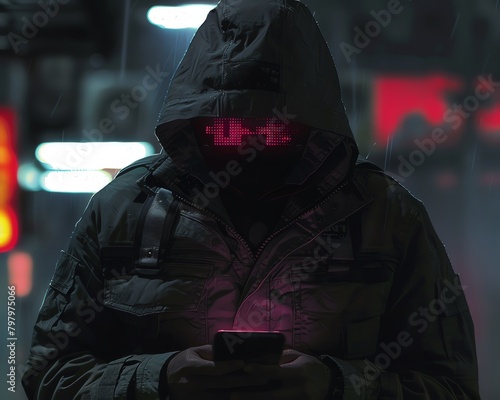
232	131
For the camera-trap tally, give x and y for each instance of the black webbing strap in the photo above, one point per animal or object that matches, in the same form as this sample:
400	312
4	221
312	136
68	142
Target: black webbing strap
158	224
105	390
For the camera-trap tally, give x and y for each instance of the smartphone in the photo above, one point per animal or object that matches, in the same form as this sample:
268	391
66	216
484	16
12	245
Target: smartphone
252	347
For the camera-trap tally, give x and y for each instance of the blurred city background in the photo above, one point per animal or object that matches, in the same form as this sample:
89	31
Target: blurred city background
81	86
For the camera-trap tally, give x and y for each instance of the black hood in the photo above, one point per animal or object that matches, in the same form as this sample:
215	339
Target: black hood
260	59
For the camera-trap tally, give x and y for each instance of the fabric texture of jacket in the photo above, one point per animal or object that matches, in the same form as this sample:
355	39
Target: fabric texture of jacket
352	273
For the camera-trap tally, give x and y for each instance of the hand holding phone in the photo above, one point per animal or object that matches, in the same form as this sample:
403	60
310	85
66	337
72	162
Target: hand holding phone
192	374
298	376
259	347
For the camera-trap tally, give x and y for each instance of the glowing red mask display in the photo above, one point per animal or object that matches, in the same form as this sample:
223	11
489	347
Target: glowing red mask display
232	131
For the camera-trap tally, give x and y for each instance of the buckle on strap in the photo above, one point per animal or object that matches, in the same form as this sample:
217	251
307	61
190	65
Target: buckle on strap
157	229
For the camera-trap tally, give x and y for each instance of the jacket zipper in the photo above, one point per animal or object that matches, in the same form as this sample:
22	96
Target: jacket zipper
291	222
256	255
218	219
261	249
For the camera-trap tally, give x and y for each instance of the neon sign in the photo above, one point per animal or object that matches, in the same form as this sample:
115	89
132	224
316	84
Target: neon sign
8	184
395	98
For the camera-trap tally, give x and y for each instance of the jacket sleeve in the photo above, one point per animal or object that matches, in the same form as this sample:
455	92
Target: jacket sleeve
77	351
426	346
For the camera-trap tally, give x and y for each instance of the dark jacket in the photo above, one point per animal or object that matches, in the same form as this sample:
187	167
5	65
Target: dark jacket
352	272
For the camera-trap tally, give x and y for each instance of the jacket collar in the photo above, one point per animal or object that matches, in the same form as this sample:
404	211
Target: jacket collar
320	172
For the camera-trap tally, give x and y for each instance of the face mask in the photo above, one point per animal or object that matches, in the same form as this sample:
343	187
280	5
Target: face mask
264	148
235	132
233	136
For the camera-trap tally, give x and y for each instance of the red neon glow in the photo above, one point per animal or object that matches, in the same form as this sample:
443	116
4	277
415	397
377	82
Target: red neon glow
20	267
397	97
231	131
9	229
489	123
8	181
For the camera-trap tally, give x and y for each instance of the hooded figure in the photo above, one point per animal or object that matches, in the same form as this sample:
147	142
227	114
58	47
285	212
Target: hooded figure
266	62
256	216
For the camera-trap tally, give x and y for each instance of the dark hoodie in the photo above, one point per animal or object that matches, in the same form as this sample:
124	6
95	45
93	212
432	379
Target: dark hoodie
260	59
352	259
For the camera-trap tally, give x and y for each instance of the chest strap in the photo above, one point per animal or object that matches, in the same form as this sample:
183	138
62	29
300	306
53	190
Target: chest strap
157	228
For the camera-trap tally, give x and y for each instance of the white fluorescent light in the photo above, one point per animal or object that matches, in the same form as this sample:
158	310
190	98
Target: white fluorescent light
73	156
181	17
74	181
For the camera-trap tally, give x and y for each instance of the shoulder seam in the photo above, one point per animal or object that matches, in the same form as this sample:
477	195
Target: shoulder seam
144	162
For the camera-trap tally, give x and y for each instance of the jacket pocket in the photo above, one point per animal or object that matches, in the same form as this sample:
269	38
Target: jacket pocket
56	297
64	273
179	287
339	306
